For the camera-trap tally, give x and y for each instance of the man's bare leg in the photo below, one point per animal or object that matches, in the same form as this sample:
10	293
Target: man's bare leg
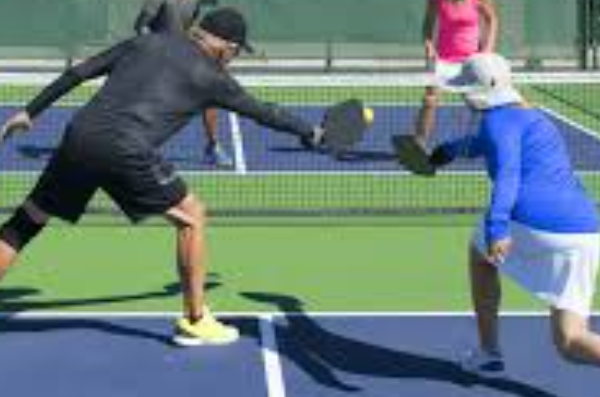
215	154
198	327
189	218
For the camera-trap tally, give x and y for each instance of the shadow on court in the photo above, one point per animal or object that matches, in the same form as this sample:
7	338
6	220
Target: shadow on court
122	356
319	352
32	325
358	156
350	156
114	328
43	153
36	152
19	299
11	300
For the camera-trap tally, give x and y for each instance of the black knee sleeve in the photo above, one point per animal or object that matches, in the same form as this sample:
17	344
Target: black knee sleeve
20	229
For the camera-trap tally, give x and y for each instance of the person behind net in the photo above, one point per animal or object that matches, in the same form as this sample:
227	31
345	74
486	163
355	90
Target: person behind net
452	32
112	144
178	16
541	229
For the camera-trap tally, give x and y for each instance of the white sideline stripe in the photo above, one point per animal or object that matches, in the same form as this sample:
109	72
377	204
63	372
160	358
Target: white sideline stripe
173	314
271	358
578	126
228	174
238	146
310	79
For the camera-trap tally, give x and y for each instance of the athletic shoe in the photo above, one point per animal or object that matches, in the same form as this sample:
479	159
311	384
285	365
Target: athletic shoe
483	363
309	142
216	156
206	331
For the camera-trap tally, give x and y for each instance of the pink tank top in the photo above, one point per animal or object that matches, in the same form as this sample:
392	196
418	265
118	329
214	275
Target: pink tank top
458	29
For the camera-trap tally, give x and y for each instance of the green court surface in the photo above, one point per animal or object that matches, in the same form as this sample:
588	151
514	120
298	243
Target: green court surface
350	264
347	269
308	192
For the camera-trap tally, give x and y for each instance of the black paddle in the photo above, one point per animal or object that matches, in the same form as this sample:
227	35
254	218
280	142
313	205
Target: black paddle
344	125
412	155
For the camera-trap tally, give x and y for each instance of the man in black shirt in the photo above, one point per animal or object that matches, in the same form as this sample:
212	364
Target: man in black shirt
178	16
155	84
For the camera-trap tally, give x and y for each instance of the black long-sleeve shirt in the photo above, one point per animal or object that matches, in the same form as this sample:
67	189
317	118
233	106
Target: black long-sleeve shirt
155	84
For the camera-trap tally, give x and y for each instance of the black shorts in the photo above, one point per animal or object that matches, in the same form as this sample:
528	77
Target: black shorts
141	183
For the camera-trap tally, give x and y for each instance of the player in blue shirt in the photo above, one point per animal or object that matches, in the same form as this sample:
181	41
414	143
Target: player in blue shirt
540	229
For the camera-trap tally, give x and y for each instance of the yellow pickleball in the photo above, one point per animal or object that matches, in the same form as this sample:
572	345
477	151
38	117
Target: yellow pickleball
368	115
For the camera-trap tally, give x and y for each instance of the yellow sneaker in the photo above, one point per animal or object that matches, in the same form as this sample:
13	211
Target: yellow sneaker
206	331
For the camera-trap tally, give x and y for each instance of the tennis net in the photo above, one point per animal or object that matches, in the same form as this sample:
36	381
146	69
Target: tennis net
275	176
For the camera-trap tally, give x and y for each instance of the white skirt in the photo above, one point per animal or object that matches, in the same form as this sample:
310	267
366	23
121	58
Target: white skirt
444	72
558	268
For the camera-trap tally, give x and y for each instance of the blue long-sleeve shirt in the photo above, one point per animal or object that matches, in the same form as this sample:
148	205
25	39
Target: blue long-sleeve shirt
533	180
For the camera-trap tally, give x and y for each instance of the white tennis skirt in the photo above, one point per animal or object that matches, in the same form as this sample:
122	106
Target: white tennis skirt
558	268
444	72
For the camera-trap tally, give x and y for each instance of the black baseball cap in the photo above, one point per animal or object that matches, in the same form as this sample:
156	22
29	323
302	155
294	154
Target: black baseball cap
228	24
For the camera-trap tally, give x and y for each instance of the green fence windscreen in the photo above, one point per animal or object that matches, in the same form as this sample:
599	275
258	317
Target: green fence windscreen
538	29
51	28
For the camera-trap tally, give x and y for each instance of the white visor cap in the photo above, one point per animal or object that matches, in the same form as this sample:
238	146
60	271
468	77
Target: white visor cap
486	81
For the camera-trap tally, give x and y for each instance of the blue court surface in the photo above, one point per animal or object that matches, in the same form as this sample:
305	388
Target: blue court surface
257	150
295	355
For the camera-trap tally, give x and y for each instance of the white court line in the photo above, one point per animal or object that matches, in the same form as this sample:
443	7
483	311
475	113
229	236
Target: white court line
271	357
173	314
238	145
231	174
579	127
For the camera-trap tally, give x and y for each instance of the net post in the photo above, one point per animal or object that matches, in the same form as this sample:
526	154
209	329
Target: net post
595	31
329	56
582	32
